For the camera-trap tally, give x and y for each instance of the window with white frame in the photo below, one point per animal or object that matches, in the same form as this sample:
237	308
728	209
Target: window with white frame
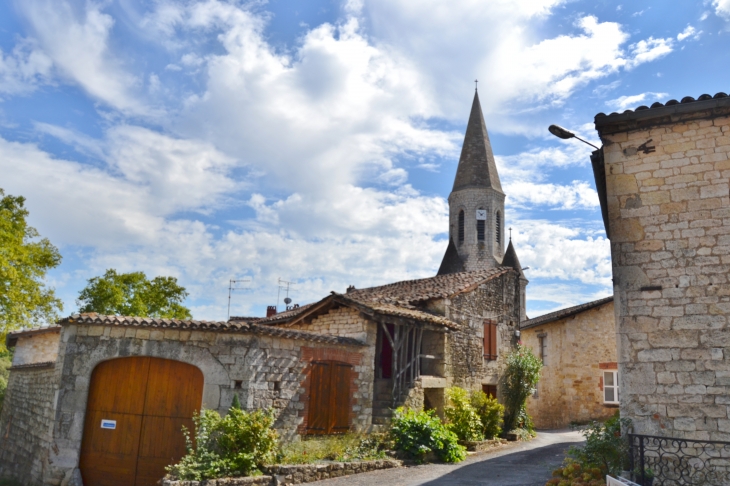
610	387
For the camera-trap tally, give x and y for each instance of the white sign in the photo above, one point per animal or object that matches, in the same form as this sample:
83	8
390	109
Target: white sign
108	424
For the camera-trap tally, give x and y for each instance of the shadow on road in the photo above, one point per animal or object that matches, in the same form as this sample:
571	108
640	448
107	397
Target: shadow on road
523	468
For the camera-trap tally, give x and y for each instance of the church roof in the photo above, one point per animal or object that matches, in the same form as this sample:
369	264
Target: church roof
510	259
452	262
476	164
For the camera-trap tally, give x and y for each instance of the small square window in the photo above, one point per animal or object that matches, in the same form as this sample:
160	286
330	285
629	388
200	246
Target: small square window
610	387
543	349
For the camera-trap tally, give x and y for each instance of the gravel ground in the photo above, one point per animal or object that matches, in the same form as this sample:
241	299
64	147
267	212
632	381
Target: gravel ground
519	464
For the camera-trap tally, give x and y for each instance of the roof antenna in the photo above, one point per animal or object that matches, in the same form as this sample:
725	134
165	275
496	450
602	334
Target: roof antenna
510	233
476	82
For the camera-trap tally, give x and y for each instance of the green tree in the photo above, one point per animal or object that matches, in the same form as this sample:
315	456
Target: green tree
24	260
132	294
519	381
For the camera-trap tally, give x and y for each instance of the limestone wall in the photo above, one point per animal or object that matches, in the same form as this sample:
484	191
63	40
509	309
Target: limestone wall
263	372
498	300
344	321
26	424
669	221
579	349
37	347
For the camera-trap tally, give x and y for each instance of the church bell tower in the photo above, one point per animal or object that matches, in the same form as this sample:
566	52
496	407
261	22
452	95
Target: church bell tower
476	204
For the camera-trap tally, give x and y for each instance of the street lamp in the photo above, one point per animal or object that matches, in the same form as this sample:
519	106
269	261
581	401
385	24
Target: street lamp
561	132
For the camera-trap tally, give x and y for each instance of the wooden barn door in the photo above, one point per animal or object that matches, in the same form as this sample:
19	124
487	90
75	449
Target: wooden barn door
134	417
329	398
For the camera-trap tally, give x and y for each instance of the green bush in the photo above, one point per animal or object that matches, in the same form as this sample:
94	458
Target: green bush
462	418
235	445
573	474
605	448
490	413
419	433
6	360
522	372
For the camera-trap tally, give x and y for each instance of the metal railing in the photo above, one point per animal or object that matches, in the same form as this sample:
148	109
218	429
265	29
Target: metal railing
670	461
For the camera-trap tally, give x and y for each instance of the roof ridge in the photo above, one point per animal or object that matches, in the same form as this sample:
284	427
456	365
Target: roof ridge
566	312
672	102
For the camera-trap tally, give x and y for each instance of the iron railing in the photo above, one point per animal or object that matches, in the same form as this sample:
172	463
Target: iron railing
670	461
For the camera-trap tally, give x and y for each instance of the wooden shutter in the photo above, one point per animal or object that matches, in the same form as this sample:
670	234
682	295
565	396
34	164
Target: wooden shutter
330	398
490	340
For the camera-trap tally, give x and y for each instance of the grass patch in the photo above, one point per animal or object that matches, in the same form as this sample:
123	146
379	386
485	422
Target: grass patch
9	482
343	448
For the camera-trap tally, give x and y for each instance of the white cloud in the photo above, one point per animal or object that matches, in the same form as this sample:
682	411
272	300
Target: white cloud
577	195
689	32
24	69
76	38
722	8
630	102
648	50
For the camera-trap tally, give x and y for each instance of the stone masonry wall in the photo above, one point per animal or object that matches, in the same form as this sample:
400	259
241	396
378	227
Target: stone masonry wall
263	371
579	348
26	423
344	321
36	348
498	300
669	221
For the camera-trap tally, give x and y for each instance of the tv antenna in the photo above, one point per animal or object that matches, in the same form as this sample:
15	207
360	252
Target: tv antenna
285	286
232	285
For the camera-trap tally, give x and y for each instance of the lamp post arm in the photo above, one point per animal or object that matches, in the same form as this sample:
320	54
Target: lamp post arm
587	142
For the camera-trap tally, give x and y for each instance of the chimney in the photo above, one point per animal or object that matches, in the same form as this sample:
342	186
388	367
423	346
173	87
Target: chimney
350	289
271	311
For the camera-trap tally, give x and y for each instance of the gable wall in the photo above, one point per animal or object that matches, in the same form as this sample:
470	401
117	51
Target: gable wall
669	221
36	348
579	348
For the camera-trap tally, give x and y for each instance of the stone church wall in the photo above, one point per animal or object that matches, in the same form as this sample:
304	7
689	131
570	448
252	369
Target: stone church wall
26	424
497	299
669	221
579	348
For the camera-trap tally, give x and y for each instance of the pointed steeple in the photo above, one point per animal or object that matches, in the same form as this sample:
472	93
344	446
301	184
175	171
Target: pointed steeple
476	164
510	259
452	262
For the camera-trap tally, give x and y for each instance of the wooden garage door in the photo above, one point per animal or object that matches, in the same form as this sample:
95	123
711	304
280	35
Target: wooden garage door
329	398
143	402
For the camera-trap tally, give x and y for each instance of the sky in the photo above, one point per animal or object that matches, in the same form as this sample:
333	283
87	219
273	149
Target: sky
316	142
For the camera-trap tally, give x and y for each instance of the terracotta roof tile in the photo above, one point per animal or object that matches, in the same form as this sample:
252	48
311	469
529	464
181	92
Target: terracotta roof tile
684	101
563	313
193	325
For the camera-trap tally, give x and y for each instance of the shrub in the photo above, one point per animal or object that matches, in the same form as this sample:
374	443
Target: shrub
490	413
347	447
605	448
418	433
461	415
572	474
235	445
519	381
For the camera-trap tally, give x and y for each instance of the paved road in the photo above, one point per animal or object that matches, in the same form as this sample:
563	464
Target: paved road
521	464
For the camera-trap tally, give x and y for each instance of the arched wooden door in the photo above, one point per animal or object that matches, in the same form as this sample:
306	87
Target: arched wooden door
134	417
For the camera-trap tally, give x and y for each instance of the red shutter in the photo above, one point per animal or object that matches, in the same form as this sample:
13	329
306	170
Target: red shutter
490	340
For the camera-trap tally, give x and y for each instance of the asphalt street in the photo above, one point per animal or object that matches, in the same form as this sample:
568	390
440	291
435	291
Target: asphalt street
519	464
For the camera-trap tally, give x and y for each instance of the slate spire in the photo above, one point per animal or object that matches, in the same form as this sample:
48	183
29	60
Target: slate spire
510	259
476	164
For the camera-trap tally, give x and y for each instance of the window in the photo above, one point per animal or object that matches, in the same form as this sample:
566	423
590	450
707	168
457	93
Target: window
543	348
490	390
490	340
610	387
481	223
498	227
461	226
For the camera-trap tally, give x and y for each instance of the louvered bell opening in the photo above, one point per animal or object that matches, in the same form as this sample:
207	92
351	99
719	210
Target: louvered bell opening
461	226
498	228
480	229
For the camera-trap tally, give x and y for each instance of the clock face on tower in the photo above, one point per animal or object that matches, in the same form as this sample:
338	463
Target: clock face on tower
481	214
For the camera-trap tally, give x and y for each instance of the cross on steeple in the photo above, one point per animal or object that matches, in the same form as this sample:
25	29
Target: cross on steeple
476	81
510	233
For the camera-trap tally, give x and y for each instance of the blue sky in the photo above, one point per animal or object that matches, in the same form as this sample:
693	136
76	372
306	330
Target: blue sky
317	141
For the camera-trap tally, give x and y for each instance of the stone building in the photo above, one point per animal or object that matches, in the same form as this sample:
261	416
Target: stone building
578	381
100	397
663	177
